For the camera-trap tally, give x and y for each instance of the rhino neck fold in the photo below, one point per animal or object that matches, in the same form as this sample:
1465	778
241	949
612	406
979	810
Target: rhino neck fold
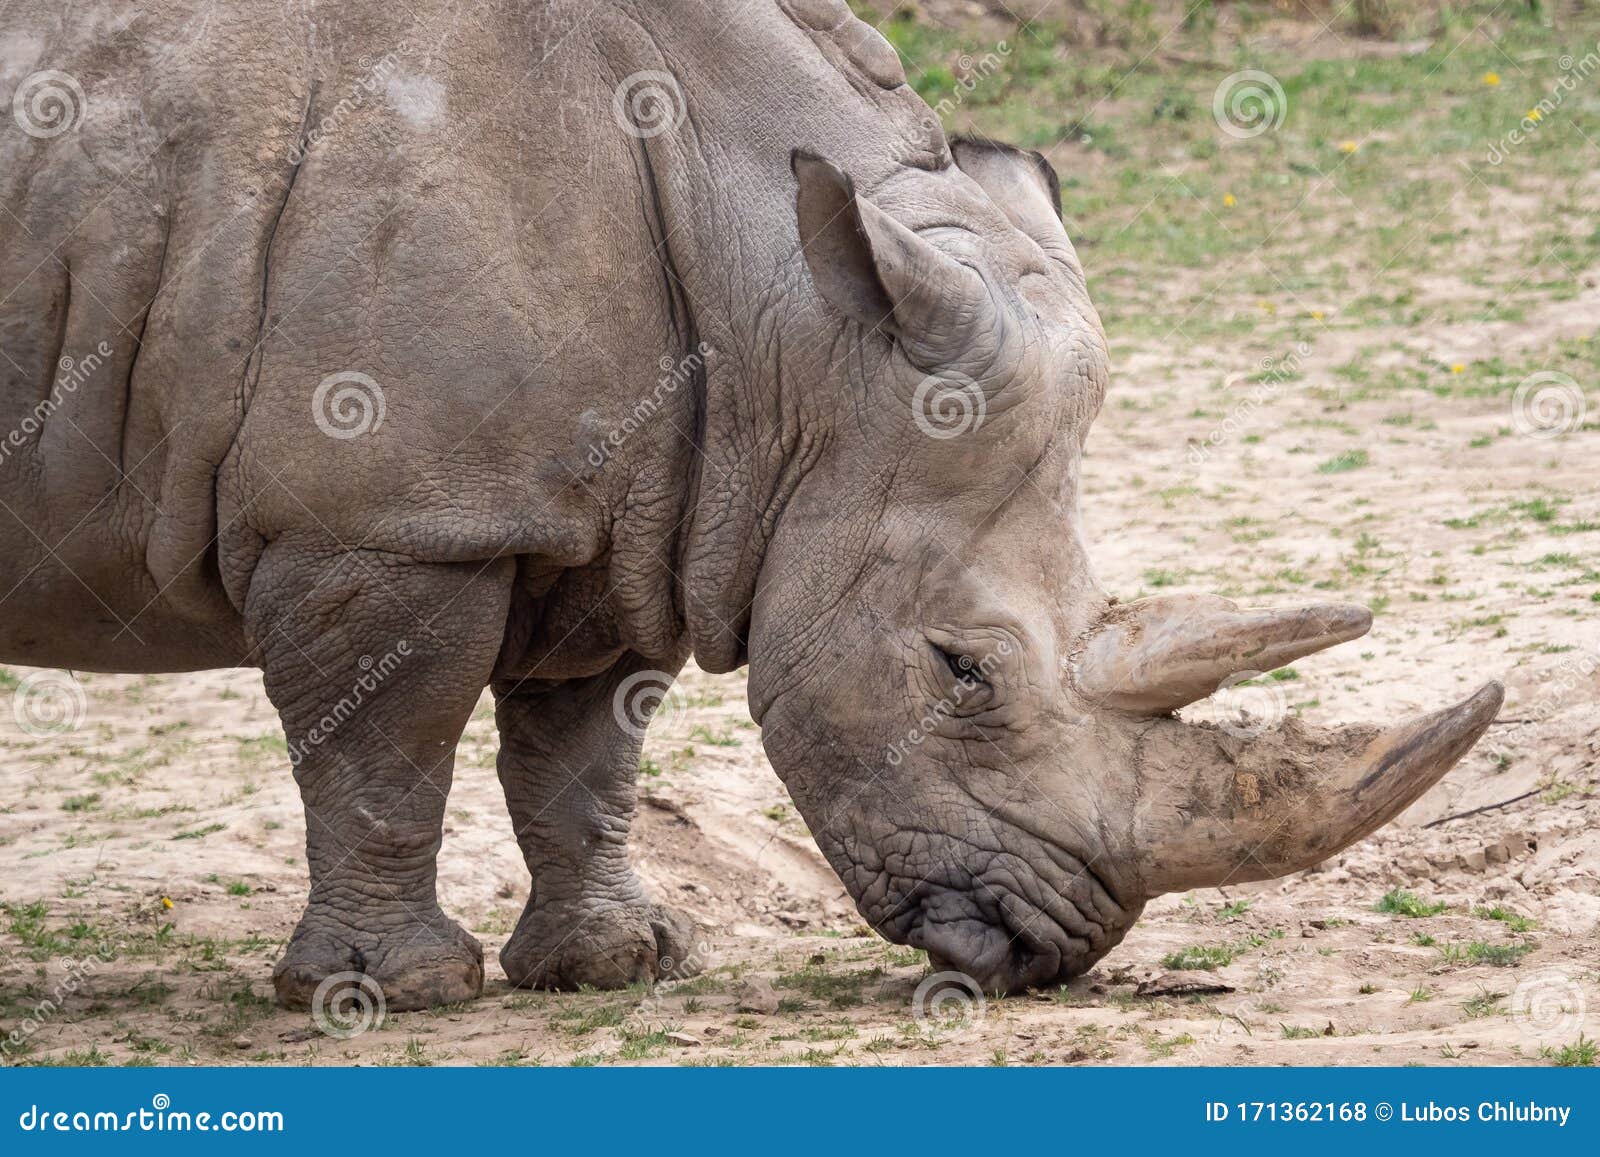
718	192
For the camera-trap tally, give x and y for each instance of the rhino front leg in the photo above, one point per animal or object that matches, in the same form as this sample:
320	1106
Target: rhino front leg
374	663
569	763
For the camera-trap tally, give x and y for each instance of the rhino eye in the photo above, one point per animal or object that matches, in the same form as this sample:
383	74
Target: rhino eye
963	667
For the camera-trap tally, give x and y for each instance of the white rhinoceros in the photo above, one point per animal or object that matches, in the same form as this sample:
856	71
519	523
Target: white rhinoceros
404	349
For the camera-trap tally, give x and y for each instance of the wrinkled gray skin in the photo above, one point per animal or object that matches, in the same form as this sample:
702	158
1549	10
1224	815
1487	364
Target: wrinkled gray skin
476	232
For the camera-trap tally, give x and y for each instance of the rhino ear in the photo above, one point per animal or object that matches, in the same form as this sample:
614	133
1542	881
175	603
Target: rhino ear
834	239
877	272
1022	183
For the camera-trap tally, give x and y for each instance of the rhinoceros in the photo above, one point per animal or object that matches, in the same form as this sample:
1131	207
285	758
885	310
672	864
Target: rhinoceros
400	351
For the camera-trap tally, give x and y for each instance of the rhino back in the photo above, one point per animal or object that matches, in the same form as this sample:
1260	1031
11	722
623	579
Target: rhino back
243	209
131	256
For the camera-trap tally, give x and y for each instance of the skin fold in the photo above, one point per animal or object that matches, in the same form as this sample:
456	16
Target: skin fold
542	348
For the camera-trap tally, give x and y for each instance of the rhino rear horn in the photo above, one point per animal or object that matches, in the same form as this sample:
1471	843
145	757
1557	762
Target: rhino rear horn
1155	655
881	274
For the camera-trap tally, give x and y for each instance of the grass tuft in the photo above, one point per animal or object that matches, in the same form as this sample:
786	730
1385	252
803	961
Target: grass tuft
1399	902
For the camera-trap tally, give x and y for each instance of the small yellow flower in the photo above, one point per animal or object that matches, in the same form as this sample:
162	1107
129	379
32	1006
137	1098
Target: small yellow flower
1458	368
1491	78
1316	314
1348	147
166	903
1535	115
1266	306
1229	200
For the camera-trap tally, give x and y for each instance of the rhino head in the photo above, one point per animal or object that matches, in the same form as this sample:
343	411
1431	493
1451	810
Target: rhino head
982	741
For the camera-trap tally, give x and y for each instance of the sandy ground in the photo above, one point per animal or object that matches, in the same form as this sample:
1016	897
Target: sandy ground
151	856
177	790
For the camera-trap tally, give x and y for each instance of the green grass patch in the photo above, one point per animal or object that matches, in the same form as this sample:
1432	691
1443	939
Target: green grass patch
1349	460
1582	1054
1204	958
1209	957
200	833
1478	952
1507	917
837	989
1399	902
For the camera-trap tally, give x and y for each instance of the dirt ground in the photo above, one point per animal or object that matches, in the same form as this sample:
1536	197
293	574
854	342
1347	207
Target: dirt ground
151	854
176	789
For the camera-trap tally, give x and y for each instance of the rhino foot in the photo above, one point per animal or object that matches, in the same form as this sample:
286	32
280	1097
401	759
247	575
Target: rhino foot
421	964
605	945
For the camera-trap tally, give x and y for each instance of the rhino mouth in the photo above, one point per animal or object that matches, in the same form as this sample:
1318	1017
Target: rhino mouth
1007	921
1000	958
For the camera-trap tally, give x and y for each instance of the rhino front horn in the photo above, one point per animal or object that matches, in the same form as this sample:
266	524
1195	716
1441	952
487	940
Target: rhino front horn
1156	655
1218	808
